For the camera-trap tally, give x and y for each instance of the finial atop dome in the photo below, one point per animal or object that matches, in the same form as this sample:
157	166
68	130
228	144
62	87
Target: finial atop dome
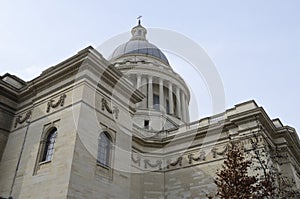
139	19
139	32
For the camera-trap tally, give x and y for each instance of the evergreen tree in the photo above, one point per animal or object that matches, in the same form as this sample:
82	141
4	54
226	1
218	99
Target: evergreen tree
233	181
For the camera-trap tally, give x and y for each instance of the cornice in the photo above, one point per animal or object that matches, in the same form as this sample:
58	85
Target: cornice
292	139
88	59
231	121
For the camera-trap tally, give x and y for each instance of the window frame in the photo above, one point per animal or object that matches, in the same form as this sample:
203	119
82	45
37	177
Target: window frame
48	140
168	107
41	160
105	172
156	102
104	158
146	124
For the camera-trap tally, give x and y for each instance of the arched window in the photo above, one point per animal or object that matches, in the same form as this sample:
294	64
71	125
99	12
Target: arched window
104	149
49	145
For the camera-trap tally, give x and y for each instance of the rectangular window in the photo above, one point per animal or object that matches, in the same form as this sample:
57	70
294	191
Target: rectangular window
146	124
167	107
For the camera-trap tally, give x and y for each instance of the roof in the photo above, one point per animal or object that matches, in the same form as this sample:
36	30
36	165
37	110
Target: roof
139	45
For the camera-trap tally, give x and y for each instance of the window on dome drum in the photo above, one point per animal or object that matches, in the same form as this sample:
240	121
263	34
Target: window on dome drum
146	124
167	107
156	102
49	145
174	104
104	149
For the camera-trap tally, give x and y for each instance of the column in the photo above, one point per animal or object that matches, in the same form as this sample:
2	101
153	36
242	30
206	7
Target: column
144	91
183	109
138	81
171	104
138	86
161	95
187	110
178	104
150	92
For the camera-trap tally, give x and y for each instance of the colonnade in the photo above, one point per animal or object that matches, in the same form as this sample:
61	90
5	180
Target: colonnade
177	100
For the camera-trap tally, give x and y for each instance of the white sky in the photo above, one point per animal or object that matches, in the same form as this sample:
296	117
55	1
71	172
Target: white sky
254	44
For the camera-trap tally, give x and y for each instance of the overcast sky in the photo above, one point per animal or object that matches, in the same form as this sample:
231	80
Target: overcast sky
254	44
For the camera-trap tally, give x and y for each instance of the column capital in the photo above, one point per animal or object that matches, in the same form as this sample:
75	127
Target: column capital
150	79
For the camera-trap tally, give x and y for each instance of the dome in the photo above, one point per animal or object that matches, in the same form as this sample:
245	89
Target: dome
138	45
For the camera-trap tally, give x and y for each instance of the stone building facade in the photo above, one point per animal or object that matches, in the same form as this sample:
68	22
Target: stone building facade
120	128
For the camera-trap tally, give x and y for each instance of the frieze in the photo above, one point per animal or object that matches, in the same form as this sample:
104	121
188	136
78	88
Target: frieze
20	120
200	157
137	160
216	152
105	106
280	154
167	163
177	162
60	102
152	165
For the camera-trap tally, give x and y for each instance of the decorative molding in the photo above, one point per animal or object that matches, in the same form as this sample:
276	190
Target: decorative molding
167	163
105	106
20	120
137	160
177	162
52	104
215	152
201	157
148	163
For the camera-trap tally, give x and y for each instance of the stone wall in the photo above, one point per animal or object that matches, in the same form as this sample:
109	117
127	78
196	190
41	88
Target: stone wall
190	183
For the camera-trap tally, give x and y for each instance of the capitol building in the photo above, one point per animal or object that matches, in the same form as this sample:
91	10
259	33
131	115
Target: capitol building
94	128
